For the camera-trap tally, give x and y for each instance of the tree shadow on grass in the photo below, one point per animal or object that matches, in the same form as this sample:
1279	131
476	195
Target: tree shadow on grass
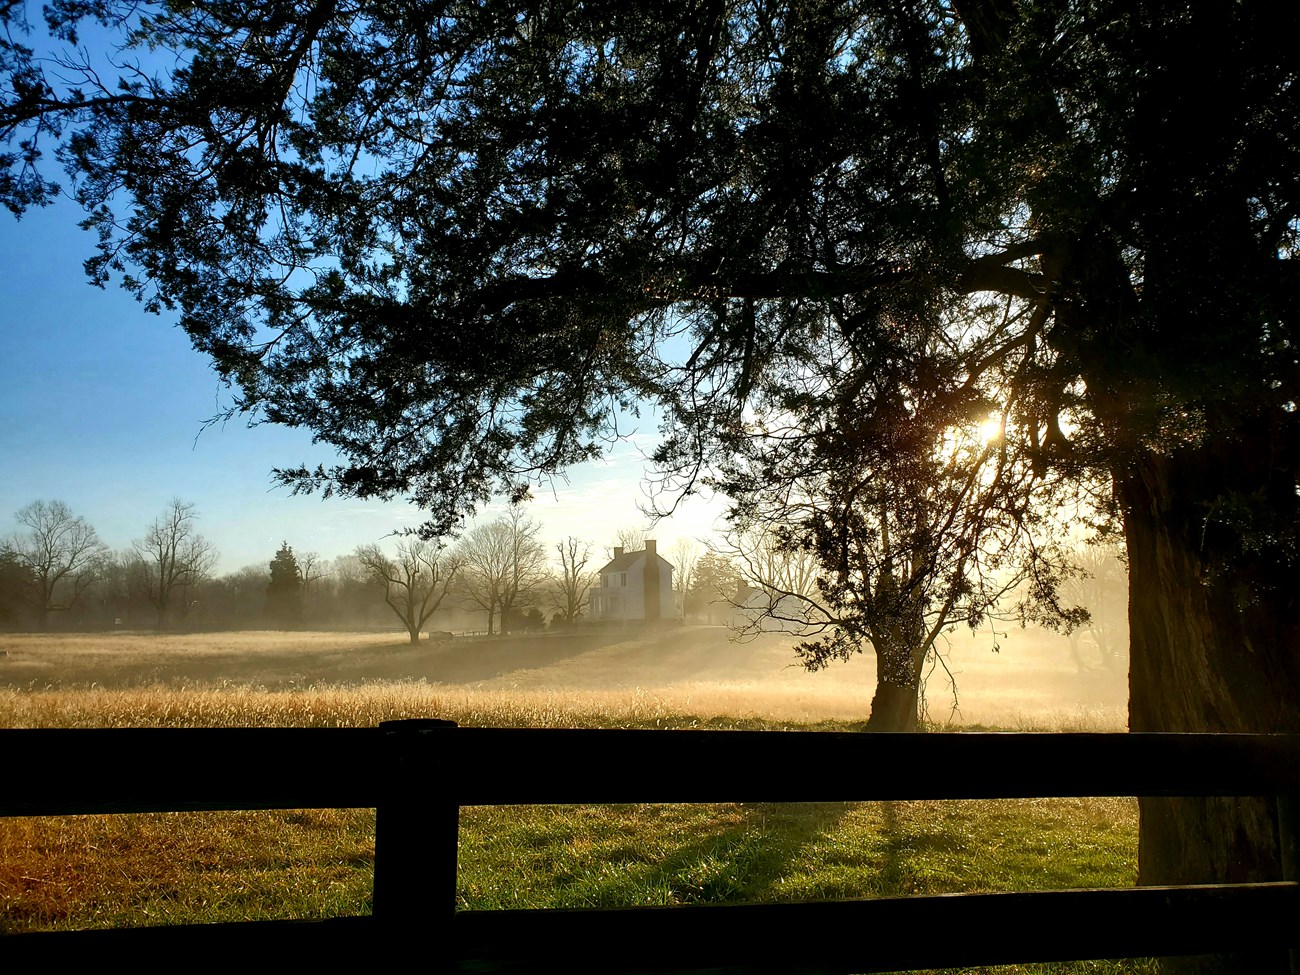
740	855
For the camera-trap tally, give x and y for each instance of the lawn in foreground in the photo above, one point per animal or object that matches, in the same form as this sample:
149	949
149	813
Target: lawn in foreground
103	871
107	871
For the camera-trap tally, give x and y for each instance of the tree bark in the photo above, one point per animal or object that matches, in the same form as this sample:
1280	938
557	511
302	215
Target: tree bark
893	708
1214	647
898	688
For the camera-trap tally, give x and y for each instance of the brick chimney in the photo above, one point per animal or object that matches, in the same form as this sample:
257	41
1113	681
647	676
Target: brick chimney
651	577
618	551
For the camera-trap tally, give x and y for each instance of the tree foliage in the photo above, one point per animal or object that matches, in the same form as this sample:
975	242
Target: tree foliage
881	504
15	582
284	591
713	588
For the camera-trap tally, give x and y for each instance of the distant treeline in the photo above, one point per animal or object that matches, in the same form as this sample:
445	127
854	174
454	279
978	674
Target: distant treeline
55	573
341	599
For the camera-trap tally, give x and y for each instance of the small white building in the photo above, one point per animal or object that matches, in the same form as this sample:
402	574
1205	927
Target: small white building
634	586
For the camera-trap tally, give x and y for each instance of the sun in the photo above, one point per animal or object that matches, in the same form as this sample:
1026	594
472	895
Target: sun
991	429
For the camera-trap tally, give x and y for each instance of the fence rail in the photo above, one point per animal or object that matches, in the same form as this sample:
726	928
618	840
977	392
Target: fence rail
418	773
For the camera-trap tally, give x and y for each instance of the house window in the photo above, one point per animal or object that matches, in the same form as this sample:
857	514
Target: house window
622	579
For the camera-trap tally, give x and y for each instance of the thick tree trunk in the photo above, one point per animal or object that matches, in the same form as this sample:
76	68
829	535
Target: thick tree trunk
893	708
1214	647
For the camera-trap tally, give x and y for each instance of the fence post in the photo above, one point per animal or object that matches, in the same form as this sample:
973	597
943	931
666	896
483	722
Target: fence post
1288	841
416	832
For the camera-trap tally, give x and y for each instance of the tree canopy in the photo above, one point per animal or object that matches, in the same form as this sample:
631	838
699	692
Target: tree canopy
455	240
451	240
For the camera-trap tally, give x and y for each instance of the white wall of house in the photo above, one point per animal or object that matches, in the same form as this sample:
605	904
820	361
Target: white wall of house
620	595
621	592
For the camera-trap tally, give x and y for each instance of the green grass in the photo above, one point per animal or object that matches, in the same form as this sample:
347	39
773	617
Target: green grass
104	871
130	870
606	856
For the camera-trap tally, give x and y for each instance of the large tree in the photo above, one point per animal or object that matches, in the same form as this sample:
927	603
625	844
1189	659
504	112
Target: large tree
454	240
415	583
505	565
171	560
880	504
60	554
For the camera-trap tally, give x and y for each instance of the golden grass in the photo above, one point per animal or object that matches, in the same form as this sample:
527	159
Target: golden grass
367	705
101	871
127	644
350	679
181	868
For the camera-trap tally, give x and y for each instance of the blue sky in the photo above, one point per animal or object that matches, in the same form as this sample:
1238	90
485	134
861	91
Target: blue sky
102	406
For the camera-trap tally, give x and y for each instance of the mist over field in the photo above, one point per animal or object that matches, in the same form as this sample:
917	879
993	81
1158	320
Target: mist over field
1032	681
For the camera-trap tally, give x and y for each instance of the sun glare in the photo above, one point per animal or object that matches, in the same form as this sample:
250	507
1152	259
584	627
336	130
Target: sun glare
991	429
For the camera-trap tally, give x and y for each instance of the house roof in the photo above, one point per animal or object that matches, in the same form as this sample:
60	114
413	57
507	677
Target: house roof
628	559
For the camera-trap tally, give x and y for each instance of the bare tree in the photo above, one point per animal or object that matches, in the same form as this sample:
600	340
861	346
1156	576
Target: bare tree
684	554
171	560
312	568
414	583
1101	587
309	564
574	580
61	553
774	565
630	540
504	565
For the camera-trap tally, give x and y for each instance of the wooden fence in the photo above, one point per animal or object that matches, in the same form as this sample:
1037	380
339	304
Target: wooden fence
418	773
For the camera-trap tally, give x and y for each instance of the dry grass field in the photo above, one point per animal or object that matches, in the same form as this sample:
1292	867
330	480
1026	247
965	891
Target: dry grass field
1030	683
93	871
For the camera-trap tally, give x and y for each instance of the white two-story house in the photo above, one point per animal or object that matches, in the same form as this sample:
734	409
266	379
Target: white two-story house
634	586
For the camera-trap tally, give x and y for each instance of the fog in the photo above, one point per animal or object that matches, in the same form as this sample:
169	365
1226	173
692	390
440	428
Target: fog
1034	679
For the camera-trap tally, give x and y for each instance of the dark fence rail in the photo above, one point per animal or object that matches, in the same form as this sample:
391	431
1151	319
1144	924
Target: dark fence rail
417	775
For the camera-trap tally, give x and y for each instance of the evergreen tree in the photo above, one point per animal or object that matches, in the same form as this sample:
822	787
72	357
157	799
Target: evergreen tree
284	591
715	588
